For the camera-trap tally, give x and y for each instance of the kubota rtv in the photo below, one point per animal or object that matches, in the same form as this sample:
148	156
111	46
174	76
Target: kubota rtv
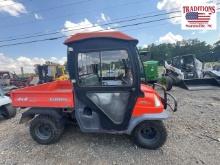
105	93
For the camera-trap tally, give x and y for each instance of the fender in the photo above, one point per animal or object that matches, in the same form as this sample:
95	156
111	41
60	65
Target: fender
137	120
30	114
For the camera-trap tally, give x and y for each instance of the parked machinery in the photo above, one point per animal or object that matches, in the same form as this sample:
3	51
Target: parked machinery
213	71
50	71
151	71
10	81
188	72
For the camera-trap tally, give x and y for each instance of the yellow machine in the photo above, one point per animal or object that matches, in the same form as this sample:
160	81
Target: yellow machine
61	73
51	71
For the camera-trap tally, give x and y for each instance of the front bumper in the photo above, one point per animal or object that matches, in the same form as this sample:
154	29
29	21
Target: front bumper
167	98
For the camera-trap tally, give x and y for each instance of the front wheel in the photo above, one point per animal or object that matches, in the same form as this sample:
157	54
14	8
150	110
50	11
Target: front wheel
150	134
45	130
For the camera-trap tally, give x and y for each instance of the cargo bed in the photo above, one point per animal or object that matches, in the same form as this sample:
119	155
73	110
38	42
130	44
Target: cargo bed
57	94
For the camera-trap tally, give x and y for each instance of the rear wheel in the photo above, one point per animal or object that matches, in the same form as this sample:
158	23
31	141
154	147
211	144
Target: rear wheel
46	130
150	134
8	111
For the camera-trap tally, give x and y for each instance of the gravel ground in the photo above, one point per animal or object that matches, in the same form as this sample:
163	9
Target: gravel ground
193	138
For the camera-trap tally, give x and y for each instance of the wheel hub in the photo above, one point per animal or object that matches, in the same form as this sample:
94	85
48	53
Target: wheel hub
43	131
148	133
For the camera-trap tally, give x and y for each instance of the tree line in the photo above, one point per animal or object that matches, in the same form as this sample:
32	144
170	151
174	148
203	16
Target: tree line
165	51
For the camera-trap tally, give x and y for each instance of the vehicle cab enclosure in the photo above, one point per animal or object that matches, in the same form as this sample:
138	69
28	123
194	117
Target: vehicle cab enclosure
105	73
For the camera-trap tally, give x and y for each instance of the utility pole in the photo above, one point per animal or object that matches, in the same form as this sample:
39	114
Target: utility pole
22	71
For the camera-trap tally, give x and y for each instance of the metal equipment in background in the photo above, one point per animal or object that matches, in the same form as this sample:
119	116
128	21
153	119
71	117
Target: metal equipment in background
213	71
188	72
10	81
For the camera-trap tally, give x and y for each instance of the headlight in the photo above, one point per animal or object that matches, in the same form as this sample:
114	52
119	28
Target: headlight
157	101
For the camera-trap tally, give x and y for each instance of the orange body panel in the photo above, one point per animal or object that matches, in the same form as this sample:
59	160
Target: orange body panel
57	94
146	104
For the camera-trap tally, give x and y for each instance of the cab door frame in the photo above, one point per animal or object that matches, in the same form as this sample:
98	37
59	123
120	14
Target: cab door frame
80	92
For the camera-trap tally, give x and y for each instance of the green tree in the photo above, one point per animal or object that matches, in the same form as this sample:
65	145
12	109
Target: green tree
165	51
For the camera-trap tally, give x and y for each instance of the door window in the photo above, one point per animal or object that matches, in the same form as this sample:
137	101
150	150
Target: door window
105	68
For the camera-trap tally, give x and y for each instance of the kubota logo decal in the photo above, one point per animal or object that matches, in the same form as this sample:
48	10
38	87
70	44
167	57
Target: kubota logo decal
58	99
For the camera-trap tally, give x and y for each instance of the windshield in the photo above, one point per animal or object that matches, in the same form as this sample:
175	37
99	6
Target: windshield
105	68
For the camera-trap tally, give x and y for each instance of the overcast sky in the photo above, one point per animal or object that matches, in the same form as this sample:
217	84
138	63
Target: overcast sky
27	17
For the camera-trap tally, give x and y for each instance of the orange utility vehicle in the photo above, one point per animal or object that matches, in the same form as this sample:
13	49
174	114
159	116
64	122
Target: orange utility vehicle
104	94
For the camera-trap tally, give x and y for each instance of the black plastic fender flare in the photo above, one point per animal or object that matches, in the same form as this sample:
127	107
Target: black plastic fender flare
137	120
30	114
